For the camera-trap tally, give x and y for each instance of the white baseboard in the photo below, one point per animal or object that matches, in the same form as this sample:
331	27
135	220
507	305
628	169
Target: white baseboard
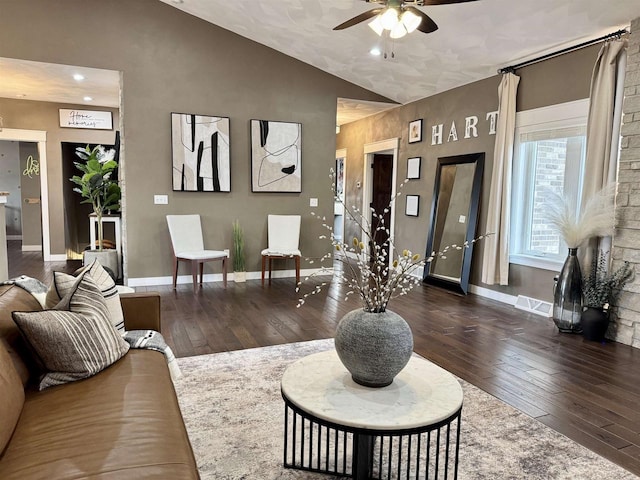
216	277
59	257
14	237
492	294
31	248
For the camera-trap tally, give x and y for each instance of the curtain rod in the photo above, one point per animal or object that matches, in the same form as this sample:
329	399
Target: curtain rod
512	68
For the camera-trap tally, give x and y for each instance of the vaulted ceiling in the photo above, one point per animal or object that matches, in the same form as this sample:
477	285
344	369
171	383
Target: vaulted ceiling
473	40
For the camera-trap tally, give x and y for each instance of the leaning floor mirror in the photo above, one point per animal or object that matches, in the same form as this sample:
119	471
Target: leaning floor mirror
454	215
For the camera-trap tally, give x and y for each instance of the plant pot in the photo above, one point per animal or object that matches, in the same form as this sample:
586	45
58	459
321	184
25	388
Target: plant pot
595	322
239	277
107	258
374	347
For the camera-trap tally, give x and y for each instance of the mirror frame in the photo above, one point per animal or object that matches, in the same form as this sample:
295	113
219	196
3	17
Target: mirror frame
463	285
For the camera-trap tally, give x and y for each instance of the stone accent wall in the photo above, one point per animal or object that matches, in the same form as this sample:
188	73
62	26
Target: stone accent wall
626	243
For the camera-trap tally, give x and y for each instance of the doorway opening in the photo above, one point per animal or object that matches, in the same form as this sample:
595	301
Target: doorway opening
379	189
37	139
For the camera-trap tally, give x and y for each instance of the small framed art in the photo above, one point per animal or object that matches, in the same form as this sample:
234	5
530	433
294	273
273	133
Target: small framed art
413	168
412	206
415	131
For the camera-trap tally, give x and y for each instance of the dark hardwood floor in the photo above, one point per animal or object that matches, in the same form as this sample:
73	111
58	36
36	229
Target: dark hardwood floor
587	391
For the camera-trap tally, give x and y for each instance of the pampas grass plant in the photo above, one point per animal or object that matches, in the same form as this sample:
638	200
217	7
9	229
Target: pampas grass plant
596	218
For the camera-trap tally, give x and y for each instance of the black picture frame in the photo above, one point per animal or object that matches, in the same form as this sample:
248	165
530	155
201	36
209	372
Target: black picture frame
276	168
413	168
412	205
415	131
200	153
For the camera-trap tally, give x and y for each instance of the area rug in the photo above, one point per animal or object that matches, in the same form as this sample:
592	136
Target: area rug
234	415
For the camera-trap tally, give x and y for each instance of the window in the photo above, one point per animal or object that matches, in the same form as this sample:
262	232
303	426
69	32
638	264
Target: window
548	159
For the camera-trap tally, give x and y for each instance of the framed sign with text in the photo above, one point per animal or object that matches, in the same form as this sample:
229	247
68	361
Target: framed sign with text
92	119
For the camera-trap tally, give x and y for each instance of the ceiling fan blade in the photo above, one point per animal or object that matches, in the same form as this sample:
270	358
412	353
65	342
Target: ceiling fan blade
445	2
426	25
360	18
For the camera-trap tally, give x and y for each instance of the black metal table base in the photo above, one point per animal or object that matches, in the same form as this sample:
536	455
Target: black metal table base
429	452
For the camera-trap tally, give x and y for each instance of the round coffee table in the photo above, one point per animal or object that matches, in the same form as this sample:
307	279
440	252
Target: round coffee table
336	426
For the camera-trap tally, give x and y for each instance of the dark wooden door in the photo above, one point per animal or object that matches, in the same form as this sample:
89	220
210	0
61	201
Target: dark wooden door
382	185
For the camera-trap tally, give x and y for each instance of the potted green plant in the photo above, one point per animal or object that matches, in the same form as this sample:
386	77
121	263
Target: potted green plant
239	274
600	288
97	187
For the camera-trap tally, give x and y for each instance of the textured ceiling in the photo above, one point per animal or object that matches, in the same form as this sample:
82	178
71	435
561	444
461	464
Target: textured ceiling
473	41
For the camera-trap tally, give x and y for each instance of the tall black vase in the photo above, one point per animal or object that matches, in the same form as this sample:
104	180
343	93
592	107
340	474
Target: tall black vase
567	297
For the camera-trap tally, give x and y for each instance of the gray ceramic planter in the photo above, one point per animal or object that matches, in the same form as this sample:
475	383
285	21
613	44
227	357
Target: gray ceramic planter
374	347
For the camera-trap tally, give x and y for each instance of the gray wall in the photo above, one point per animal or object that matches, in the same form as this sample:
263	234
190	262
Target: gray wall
173	62
561	79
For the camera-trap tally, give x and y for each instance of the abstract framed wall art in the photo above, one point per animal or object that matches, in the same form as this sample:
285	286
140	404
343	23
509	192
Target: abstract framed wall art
276	159
200	151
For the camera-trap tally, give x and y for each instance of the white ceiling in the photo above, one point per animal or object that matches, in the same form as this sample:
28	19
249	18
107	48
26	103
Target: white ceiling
49	82
474	40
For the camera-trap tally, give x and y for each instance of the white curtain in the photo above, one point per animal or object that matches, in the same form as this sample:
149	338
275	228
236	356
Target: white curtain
495	259
603	130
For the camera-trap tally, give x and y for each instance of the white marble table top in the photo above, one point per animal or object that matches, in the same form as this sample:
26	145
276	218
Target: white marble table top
422	394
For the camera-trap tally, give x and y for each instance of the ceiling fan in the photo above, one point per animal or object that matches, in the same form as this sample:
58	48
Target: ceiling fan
399	17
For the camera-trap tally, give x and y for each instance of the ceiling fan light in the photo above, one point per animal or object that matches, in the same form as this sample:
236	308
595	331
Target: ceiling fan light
376	25
410	20
389	19
398	31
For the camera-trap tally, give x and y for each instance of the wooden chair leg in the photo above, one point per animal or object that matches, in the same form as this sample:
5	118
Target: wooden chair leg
201	272
175	272
224	271
264	263
297	270
194	274
270	265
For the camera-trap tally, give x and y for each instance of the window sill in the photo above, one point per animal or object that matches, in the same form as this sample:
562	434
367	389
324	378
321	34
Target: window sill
536	262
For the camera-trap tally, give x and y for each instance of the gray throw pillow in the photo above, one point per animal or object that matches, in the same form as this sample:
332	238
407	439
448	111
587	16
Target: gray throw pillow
63	283
77	339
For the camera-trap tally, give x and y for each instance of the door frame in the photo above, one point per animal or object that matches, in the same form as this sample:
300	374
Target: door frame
389	146
39	137
342	153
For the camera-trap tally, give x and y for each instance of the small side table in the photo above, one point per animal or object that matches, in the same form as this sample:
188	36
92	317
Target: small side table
409	429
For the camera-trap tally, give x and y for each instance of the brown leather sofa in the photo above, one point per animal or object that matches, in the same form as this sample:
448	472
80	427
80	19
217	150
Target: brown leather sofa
123	423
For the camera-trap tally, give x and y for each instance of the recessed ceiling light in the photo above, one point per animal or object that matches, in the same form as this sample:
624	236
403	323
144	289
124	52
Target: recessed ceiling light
87	99
78	77
375	51
177	1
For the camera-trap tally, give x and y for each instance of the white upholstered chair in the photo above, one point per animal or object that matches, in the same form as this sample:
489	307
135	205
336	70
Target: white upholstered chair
284	240
188	246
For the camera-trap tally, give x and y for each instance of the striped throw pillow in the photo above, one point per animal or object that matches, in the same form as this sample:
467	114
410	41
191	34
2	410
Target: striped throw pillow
77	339
63	283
